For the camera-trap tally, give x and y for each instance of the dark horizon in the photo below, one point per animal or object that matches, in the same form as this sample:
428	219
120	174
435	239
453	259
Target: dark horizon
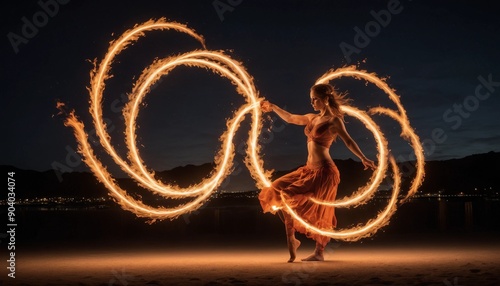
201	164
445	177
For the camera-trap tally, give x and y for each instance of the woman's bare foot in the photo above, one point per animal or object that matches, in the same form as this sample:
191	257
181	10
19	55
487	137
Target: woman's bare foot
293	244
314	257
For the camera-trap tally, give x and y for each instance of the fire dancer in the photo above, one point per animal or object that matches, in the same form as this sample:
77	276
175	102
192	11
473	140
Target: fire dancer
320	177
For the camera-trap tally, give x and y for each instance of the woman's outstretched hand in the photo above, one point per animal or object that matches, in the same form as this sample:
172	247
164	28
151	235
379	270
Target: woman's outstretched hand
368	164
266	106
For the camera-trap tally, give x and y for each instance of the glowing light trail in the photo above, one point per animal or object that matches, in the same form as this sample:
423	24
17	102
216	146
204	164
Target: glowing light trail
217	62
226	67
400	116
368	191
358	232
364	194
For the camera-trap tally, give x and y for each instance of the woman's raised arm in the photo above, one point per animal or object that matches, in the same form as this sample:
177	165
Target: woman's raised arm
285	115
339	128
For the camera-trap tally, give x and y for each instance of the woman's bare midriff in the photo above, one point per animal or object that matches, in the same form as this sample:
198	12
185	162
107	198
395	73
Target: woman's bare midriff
317	153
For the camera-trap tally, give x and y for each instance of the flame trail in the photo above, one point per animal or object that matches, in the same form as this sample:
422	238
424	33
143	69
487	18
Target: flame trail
400	116
365	193
368	191
215	61
223	65
370	227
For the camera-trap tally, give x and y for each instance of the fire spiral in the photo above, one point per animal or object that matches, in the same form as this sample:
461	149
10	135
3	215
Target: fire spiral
367	192
226	67
215	61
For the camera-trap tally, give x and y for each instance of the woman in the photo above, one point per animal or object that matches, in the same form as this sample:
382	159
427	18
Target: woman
319	178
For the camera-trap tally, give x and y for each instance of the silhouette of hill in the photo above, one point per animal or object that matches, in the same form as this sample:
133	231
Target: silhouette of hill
471	174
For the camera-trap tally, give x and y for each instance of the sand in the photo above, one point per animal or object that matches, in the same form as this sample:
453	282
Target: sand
398	263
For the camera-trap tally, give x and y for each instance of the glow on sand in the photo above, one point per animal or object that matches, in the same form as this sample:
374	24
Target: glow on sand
224	66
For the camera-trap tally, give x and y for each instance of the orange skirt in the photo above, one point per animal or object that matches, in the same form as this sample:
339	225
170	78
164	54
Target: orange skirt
312	180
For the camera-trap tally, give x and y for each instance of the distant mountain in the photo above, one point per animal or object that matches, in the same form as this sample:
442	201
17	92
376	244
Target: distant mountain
34	184
470	174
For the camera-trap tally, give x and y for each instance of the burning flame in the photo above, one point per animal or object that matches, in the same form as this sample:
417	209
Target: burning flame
400	116
226	67
367	192
215	61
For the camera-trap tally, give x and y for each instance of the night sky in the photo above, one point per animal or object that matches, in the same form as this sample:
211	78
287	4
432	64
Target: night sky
441	57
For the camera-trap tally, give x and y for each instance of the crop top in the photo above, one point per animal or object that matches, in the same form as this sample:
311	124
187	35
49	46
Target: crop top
320	133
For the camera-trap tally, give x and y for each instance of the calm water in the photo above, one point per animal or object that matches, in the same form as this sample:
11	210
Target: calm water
67	225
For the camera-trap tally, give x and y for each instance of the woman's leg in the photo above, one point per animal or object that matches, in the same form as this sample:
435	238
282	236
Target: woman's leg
292	242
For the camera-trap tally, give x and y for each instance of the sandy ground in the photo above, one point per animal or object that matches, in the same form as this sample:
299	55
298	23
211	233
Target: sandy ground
399	263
